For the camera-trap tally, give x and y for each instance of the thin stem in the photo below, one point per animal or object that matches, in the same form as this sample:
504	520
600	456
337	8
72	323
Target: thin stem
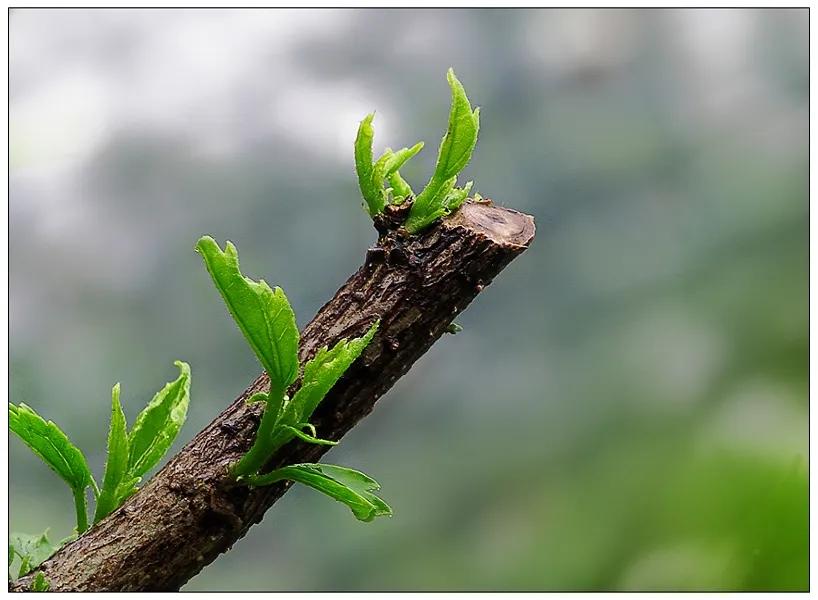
263	446
272	477
82	510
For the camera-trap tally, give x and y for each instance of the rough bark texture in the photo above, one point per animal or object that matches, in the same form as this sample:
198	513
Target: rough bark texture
191	511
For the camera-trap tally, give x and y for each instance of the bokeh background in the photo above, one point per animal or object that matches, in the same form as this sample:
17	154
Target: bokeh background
626	408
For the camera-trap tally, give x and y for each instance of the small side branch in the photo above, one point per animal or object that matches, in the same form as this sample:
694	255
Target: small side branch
192	510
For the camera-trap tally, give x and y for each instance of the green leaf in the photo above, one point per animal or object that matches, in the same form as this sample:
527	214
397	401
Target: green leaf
399	158
371	189
267	321
33	550
257	397
158	424
378	177
371	177
380	166
280	421
351	487
117	482
321	373
263	315
437	207
457	196
461	136
401	189
455	152
48	442
40	583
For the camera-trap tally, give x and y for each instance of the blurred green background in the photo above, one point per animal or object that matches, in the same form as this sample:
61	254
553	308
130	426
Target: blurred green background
626	408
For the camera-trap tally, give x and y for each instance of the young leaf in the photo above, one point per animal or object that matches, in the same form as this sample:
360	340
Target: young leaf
400	187
33	550
48	442
378	177
371	176
321	373
437	207
399	158
461	136
371	189
455	152
351	487
280	423
116	482
457	196
40	583
263	315
157	425
380	166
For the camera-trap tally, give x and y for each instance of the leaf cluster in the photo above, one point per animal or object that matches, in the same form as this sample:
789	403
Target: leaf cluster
266	319
441	195
130	455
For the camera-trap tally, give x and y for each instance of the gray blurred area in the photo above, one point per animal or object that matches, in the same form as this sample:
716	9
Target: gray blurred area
626	407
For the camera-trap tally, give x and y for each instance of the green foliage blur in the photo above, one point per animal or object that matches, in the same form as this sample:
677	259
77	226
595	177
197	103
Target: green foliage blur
626	407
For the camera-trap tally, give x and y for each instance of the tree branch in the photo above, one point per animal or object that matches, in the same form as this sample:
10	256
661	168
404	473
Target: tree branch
192	511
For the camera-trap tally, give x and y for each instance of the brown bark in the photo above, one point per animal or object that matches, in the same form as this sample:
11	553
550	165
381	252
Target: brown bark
191	511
